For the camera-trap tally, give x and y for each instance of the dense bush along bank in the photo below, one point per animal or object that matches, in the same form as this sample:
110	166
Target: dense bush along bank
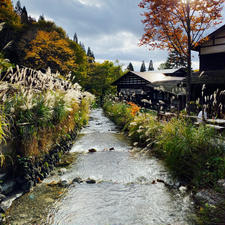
40	117
193	154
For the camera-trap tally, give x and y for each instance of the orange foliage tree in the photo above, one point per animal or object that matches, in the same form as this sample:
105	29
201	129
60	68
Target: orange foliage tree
48	49
179	25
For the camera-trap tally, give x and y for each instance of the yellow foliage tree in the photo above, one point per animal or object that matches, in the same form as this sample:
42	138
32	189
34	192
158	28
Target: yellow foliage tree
7	13
48	49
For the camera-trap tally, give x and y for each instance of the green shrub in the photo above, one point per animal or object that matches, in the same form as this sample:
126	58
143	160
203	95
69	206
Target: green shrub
194	154
119	113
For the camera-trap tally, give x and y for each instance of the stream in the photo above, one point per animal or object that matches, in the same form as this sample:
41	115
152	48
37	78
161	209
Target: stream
127	190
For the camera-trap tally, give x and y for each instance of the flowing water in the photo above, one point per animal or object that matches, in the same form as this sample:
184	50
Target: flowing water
125	192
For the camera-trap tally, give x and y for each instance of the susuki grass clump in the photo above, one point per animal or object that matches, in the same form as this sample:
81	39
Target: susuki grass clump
41	109
193	154
144	129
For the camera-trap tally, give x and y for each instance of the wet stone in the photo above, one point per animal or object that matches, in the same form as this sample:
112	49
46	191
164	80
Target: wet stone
92	150
90	181
77	180
64	184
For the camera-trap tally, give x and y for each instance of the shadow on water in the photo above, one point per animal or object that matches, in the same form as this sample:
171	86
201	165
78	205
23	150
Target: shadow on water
125	192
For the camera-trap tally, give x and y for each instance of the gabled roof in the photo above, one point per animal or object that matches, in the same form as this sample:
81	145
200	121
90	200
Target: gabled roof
158	79
214	33
210	36
154	77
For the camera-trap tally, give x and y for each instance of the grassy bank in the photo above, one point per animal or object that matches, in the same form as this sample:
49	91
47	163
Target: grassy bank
37	111
193	154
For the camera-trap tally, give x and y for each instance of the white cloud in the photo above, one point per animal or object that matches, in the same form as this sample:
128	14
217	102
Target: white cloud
95	3
112	28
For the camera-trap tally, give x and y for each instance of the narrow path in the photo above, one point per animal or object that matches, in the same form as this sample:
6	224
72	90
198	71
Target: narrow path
124	193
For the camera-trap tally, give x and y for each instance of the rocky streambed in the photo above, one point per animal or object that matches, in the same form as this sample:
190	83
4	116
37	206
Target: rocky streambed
109	183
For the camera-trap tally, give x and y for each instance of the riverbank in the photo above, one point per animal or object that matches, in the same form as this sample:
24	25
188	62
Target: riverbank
33	207
194	155
40	116
113	185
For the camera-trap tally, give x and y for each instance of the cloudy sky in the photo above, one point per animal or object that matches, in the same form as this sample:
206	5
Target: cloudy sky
112	28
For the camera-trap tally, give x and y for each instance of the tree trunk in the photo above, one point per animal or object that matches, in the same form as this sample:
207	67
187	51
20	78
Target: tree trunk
188	79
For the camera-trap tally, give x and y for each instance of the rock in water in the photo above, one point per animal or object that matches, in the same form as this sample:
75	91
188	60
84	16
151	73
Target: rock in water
90	181
77	180
92	150
64	184
112	149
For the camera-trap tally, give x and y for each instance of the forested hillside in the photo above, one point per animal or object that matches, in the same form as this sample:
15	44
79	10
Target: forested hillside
39	44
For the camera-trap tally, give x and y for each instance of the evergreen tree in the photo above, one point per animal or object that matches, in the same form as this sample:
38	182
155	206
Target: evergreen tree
41	18
24	16
93	56
130	67
82	46
143	68
89	51
18	8
150	67
90	55
75	38
174	61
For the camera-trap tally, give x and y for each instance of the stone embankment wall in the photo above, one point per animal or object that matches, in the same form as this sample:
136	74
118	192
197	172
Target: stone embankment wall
28	172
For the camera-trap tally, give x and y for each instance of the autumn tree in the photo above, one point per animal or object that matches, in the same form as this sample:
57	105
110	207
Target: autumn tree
11	20
179	25
143	68
48	49
130	67
150	67
7	13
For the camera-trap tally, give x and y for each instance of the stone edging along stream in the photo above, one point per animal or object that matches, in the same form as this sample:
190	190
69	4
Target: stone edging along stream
29	172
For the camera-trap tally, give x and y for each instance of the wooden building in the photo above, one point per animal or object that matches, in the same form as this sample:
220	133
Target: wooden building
211	72
153	88
212	64
212	51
